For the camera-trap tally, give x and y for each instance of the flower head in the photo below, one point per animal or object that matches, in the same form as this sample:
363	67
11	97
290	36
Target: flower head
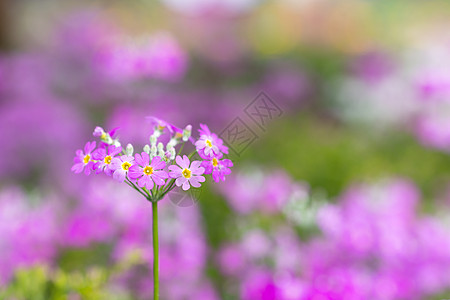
148	173
160	125
104	157
83	160
147	170
187	173
121	166
209	145
219	168
105	137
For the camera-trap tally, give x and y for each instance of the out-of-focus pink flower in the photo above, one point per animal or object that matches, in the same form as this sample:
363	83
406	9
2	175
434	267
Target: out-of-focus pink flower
258	191
29	235
259	285
231	260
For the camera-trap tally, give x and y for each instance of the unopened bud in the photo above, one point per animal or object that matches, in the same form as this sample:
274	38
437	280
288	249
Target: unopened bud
129	150
147	149
187	133
98	131
153	140
172	153
153	151
161	149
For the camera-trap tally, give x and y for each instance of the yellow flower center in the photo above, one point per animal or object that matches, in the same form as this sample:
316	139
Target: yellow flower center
161	128
148	170
87	158
126	165
103	136
215	162
178	135
208	142
108	159
186	173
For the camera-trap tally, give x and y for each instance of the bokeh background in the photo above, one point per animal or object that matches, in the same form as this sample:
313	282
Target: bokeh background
344	196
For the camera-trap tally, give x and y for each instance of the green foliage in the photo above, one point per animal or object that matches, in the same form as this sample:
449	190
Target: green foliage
330	157
38	283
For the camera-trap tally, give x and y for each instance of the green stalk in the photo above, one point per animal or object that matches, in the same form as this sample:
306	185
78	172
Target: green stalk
155	250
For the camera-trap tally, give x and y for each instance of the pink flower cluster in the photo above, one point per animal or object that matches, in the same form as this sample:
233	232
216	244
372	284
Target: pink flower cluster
373	245
157	169
91	40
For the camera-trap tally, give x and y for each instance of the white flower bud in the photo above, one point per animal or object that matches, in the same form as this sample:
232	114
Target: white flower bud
147	149
187	133
129	150
172	153
167	155
106	138
161	149
173	142
116	143
153	150
157	133
153	140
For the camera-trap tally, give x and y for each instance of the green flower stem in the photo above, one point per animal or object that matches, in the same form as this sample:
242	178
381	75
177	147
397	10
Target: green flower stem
155	251
135	187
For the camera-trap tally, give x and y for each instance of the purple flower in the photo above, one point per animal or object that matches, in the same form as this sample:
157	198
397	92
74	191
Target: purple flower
99	132
161	125
209	144
188	174
147	173
105	157
106	137
83	160
121	166
219	168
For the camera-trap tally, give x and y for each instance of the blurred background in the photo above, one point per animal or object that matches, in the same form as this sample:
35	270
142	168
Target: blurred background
343	193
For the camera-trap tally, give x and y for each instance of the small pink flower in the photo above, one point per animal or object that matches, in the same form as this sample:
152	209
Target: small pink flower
209	145
188	174
105	156
121	166
161	125
83	160
219	168
101	133
147	173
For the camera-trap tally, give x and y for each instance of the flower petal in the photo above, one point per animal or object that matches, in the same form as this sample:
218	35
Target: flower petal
198	171
195	182
186	185
135	172
180	180
158	180
157	163
77	168
162	174
119	175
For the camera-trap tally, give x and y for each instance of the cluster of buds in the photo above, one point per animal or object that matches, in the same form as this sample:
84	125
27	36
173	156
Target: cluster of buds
159	167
